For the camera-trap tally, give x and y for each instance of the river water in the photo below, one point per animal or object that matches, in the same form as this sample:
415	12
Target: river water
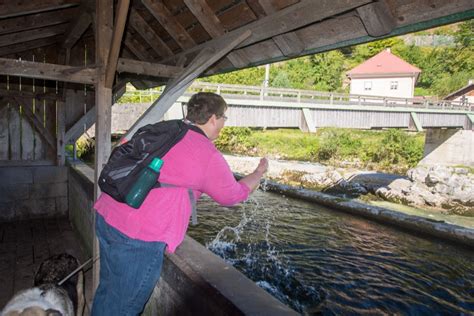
320	261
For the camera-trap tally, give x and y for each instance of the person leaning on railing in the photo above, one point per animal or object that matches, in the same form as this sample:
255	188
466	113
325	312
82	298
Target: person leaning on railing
132	242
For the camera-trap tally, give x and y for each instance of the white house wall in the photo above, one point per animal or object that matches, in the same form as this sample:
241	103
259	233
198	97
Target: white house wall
381	86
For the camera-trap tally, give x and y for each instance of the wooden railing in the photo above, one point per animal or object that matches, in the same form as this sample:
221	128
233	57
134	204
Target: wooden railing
307	96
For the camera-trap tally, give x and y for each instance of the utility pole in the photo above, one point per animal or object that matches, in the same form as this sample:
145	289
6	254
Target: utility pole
266	82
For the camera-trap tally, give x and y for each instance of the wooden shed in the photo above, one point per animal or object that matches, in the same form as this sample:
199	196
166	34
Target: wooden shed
64	62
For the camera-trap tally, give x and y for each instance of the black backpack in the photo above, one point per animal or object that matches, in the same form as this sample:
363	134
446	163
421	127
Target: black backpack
127	160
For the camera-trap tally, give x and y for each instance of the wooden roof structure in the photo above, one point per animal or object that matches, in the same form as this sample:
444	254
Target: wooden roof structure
63	62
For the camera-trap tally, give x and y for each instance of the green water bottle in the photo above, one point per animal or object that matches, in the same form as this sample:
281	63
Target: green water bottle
144	184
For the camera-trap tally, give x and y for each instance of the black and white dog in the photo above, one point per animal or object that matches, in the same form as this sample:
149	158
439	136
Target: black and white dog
47	297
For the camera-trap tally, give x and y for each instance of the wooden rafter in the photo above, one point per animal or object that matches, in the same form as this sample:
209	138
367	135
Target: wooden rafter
137	48
148	69
11	8
286	20
289	43
169	23
34	21
77	28
119	26
141	26
211	23
47	71
15	38
377	18
178	85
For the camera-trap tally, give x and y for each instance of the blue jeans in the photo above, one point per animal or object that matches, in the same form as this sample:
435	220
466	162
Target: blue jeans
129	270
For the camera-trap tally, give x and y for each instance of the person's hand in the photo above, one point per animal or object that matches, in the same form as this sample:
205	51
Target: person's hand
262	166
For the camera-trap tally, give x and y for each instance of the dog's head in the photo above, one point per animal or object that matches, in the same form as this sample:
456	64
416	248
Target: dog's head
47	299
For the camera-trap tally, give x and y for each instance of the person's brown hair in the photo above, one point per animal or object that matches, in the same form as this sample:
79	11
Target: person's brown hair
202	105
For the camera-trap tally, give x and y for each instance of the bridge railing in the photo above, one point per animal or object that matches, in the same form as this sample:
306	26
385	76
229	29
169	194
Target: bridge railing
308	96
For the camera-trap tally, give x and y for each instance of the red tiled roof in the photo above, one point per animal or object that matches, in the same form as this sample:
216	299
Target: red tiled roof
384	63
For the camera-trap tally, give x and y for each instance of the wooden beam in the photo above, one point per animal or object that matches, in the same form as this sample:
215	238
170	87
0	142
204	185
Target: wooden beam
291	18
119	27
149	69
175	88
169	23
29	95
377	18
78	128
288	43
137	48
11	8
77	28
211	23
22	47
25	36
47	71
141	26
34	21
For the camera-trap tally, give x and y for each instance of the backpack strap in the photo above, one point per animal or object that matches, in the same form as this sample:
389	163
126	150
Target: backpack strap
192	200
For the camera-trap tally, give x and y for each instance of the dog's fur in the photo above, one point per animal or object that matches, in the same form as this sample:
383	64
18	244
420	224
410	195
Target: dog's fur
46	298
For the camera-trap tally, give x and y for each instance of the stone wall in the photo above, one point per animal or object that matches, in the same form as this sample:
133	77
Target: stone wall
81	200
448	147
28	192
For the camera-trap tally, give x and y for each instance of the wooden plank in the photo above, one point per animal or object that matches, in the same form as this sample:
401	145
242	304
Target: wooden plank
61	126
137	48
4	137
141	26
84	123
291	18
211	23
14	131
39	126
26	46
149	69
47	71
27	138
177	86
289	43
34	21
12	8
30	35
77	29
377	17
169	23
119	26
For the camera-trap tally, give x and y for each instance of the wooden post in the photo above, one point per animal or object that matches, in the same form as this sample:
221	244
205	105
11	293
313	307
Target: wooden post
103	104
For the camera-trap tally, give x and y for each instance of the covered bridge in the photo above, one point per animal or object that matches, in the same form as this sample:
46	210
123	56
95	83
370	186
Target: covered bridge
64	62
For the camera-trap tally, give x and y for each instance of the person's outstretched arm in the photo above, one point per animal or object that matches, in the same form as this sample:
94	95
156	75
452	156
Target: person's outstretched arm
252	180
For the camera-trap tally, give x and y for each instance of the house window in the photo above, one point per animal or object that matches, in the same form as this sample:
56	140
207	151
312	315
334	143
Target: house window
367	85
393	85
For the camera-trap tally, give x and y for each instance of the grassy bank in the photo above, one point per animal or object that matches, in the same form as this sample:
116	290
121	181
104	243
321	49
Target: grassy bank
387	150
393	151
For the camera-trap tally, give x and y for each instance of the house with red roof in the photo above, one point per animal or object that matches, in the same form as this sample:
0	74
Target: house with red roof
384	75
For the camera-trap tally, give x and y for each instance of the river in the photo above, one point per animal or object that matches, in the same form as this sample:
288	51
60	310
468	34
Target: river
321	261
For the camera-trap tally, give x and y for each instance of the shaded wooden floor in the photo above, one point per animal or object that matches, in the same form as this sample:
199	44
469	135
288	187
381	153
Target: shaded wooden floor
25	244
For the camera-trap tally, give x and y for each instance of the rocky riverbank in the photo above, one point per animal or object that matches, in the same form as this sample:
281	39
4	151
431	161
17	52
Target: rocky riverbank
447	189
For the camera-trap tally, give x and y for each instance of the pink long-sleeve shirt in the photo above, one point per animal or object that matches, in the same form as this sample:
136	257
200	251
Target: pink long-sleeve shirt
193	163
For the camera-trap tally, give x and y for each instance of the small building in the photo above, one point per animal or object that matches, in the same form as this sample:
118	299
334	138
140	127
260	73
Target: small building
464	95
384	75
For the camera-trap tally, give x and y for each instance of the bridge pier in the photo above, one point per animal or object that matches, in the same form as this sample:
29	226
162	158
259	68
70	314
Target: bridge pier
448	147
